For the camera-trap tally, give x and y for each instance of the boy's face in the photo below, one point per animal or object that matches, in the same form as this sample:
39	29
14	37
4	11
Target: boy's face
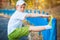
21	8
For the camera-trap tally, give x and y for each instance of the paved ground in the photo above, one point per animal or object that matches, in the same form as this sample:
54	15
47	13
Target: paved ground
3	28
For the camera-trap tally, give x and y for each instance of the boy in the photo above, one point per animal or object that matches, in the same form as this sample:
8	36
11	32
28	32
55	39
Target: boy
15	29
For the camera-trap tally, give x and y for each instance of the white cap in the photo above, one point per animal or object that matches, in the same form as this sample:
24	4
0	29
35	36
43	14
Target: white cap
20	3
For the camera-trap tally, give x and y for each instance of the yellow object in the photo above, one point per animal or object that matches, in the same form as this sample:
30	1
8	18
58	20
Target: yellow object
50	22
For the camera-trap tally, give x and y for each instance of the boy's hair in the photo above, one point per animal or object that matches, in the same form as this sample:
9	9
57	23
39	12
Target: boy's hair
24	4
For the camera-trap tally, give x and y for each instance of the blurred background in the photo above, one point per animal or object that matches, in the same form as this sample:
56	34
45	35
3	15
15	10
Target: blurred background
7	7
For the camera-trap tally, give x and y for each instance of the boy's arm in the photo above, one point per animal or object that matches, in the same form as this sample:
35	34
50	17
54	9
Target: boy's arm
37	15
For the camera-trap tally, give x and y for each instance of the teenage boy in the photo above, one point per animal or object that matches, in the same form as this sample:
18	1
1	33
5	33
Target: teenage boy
15	29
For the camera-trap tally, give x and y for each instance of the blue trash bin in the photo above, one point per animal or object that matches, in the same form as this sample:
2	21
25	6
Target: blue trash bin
50	34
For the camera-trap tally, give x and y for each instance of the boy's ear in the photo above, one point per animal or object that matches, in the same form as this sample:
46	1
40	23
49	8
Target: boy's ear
16	7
